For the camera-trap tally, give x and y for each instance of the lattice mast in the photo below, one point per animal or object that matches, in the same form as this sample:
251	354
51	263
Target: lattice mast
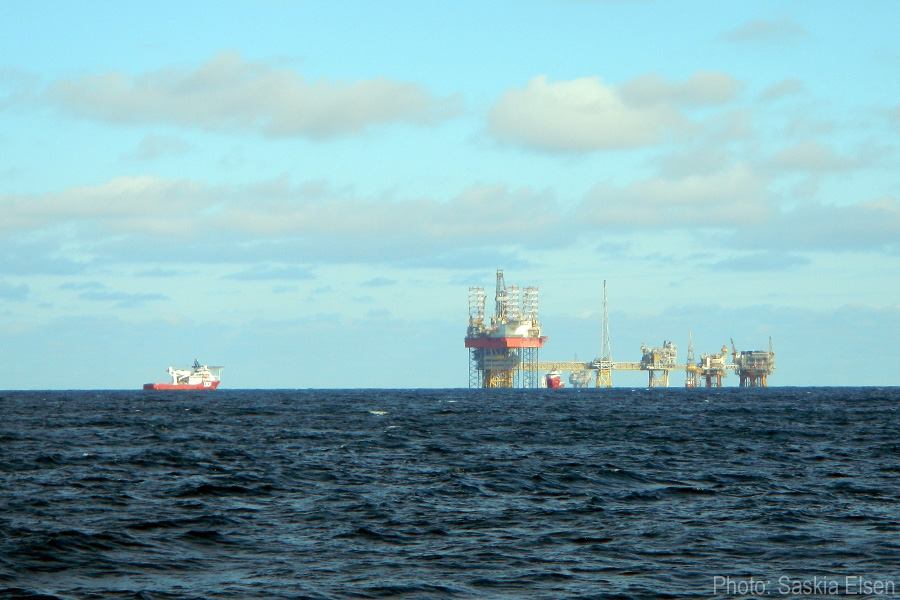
477	301
691	370
499	301
604	363
530	304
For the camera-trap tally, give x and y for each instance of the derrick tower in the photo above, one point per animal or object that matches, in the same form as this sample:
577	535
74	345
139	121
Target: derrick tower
753	366
691	371
504	353
604	363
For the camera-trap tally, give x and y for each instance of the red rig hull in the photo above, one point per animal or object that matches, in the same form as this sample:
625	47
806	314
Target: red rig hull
206	385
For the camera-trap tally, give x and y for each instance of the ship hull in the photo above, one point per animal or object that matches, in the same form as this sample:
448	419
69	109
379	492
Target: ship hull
206	385
553	381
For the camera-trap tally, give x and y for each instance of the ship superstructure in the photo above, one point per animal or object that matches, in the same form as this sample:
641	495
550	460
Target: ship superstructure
198	377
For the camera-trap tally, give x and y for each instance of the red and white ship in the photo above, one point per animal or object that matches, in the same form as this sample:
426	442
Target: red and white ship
198	377
553	380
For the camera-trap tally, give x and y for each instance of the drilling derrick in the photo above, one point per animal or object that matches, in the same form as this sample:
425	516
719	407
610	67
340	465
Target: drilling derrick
713	368
604	363
658	362
753	366
504	354
691	371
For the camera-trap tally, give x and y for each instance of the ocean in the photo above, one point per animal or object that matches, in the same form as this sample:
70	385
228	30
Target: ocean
482	494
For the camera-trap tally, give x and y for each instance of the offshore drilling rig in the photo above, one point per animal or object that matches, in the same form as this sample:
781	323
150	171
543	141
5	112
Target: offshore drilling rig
503	353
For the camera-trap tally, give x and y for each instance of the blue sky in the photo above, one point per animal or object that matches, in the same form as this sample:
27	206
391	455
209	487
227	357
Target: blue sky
304	191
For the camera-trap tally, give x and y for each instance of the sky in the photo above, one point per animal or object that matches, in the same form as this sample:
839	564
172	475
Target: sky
303	191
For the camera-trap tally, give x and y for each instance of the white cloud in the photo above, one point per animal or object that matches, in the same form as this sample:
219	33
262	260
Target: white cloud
282	230
729	126
156	146
805	126
38	252
761	261
782	89
480	211
229	93
867	226
379	282
142	203
702	89
766	30
729	198
94	291
705	159
266	272
147	218
811	156
579	115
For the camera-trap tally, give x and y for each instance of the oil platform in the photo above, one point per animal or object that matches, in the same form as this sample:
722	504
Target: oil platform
713	367
504	352
753	366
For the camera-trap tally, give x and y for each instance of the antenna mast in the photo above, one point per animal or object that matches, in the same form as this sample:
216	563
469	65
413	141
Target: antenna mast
691	371
604	372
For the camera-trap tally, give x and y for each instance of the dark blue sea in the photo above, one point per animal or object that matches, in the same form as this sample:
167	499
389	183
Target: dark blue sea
611	493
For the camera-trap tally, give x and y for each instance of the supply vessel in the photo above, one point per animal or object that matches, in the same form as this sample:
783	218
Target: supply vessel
198	377
553	380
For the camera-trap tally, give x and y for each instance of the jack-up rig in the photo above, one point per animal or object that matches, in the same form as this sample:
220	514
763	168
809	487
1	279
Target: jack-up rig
504	353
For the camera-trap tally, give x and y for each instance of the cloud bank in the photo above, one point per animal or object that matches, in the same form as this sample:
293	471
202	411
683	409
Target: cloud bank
730	198
579	115
228	93
586	114
766	30
147	219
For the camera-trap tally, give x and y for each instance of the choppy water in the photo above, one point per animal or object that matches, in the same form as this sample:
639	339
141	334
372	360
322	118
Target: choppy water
449	494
